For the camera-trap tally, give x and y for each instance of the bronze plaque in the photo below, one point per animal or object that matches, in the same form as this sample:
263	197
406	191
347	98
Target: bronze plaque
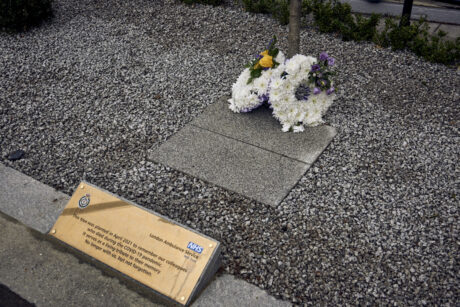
147	247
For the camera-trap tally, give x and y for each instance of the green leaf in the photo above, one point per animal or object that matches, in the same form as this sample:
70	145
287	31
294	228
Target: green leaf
256	73
273	52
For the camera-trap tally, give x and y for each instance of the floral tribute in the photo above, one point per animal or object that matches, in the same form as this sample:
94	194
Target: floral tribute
251	88
299	90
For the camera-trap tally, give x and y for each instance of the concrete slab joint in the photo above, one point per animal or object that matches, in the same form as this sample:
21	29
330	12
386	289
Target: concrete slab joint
245	153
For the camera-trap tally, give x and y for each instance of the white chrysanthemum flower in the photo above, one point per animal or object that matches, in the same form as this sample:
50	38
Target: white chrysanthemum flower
298	128
268	74
292	66
276	83
280	58
286	127
310	61
275	94
261	85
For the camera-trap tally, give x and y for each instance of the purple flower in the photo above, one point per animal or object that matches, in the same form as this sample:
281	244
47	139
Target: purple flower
322	82
330	90
247	110
263	98
330	61
302	92
316	91
270	43
323	56
315	67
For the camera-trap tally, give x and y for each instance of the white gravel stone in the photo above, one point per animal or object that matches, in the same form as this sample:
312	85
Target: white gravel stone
374	222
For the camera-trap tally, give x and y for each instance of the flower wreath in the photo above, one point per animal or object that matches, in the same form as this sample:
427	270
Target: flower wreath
298	90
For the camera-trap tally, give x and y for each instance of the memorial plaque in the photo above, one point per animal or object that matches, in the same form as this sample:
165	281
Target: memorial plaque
171	259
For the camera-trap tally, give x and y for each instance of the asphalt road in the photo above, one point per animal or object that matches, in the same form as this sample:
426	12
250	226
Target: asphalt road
433	11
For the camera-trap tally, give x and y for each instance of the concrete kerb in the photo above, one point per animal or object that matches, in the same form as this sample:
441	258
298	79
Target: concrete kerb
49	274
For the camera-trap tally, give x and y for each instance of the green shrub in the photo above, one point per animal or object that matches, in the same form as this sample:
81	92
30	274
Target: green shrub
258	6
210	2
279	9
400	37
20	15
332	16
415	37
336	17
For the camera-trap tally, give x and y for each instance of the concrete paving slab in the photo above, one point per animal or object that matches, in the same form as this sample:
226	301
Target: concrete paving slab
261	129
453	31
433	27
29	201
48	274
257	173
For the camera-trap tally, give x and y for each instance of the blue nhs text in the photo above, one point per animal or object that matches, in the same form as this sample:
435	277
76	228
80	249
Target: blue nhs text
195	247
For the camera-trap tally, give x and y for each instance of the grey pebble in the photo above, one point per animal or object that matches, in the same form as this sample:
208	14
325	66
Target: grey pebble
373	222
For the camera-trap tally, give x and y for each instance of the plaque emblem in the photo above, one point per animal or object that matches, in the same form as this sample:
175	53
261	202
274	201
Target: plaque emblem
195	247
84	202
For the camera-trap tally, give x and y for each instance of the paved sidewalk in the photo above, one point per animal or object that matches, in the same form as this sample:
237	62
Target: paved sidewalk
445	17
431	13
48	274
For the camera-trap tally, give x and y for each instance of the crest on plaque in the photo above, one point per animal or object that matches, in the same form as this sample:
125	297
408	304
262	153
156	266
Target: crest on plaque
84	201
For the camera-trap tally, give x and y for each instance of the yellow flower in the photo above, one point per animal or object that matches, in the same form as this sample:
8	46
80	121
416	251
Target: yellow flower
266	61
264	53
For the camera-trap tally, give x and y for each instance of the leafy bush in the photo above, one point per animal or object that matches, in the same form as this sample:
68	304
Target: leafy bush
336	17
210	2
258	6
20	15
281	11
415	38
278	8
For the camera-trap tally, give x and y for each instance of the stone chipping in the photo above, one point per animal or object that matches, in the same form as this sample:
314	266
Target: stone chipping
373	222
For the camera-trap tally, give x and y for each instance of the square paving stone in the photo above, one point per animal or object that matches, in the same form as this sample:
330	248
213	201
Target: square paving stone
246	153
237	166
260	128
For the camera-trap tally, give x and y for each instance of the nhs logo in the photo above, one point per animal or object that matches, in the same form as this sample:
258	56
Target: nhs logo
195	247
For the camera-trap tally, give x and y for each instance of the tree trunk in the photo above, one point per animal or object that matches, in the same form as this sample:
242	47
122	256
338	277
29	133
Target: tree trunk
407	10
294	27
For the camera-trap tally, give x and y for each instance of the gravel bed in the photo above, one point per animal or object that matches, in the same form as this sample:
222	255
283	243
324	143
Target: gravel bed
375	220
